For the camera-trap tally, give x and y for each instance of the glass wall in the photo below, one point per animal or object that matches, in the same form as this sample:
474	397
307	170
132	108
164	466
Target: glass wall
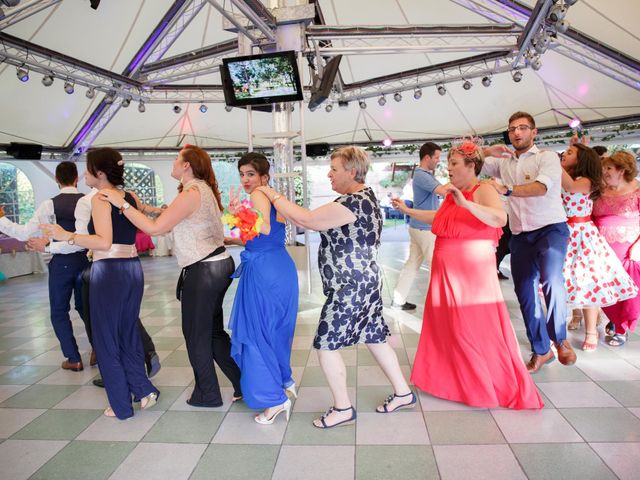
16	194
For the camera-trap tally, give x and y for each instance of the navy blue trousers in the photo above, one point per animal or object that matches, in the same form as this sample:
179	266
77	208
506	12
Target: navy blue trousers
116	292
537	258
64	279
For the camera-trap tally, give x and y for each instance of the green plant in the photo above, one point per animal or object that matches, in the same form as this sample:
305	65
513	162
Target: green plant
399	180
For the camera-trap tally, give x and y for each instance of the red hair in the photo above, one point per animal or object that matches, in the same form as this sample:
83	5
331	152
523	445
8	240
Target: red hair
201	167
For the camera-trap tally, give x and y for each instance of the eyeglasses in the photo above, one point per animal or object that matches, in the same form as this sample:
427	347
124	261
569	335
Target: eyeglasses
521	128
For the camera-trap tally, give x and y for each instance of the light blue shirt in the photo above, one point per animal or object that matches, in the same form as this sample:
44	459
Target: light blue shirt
424	197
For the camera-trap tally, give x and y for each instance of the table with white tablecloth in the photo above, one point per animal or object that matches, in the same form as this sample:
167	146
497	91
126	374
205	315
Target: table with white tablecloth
21	263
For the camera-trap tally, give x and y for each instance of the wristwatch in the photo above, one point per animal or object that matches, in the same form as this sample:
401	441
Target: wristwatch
125	206
509	190
72	239
46	247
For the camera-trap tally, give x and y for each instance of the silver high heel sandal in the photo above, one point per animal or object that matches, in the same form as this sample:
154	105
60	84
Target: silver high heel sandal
151	400
292	390
263	420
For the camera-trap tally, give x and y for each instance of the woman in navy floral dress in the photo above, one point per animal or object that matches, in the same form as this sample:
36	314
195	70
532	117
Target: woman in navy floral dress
350	230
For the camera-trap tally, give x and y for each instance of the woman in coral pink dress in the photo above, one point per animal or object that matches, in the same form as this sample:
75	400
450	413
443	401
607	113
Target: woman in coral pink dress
468	350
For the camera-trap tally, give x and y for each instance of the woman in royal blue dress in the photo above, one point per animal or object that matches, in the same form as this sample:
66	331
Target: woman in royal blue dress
266	304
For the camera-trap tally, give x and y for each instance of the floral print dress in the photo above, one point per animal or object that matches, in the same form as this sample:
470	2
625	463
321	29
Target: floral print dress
593	274
351	278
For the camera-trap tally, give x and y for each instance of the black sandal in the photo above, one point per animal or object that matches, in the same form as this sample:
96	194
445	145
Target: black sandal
348	421
390	398
610	329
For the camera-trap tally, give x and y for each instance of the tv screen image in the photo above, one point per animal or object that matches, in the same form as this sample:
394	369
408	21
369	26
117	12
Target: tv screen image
261	79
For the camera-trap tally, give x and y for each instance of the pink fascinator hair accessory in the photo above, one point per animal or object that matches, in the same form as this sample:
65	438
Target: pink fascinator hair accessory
469	147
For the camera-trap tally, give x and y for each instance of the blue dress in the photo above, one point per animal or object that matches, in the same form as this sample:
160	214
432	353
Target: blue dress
263	318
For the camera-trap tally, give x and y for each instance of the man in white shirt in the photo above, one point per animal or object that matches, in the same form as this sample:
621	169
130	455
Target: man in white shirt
83	217
531	183
67	262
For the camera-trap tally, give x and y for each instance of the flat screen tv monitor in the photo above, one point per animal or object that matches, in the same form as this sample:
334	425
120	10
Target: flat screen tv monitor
261	79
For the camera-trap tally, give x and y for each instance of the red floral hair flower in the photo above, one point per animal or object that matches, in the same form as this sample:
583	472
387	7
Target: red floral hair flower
468	147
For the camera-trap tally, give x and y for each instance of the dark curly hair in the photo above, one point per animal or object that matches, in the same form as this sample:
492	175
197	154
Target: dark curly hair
588	166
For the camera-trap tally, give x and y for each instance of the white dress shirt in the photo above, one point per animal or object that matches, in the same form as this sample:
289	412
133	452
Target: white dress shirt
43	215
530	213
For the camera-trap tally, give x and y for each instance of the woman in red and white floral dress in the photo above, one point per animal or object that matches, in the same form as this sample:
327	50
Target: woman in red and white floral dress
593	273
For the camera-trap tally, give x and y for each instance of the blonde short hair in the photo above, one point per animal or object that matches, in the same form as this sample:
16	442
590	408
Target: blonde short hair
625	161
353	158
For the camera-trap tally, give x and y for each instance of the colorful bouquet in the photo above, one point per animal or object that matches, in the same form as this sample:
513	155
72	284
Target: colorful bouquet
245	222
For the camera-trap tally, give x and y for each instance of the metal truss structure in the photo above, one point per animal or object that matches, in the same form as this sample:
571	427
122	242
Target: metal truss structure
174	22
150	78
11	15
365	39
573	44
478	66
187	65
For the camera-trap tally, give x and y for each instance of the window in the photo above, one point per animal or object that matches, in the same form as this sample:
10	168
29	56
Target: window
144	182
16	194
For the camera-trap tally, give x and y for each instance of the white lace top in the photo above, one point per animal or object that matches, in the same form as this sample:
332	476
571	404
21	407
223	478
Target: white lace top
201	233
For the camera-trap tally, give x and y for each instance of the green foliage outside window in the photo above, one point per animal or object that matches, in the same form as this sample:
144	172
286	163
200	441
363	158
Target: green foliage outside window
16	194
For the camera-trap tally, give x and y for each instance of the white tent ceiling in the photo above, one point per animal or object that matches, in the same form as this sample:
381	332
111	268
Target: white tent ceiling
110	36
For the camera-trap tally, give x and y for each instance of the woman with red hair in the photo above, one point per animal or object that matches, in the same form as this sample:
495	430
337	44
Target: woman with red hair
195	218
468	350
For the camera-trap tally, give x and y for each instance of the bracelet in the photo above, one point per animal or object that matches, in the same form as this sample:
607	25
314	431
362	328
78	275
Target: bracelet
276	197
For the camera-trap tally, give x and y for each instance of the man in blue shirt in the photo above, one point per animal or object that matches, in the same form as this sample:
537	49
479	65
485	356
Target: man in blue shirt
425	197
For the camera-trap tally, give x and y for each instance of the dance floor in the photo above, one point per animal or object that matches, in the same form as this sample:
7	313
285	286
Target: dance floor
51	421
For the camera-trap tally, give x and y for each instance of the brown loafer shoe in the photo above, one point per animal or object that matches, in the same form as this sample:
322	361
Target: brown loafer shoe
537	361
93	359
566	355
74	367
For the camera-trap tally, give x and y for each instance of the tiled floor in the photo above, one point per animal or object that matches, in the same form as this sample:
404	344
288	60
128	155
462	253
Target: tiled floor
51	424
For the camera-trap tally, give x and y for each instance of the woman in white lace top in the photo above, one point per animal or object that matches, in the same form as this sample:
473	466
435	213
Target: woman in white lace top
194	216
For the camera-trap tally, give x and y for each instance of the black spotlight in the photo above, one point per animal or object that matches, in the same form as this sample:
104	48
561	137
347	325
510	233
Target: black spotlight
177	109
47	80
486	81
441	89
467	85
126	102
94	4
141	107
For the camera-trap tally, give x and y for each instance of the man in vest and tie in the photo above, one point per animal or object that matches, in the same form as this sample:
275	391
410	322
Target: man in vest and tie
67	262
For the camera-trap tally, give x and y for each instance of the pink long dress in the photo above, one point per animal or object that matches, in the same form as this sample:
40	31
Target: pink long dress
468	350
618	220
